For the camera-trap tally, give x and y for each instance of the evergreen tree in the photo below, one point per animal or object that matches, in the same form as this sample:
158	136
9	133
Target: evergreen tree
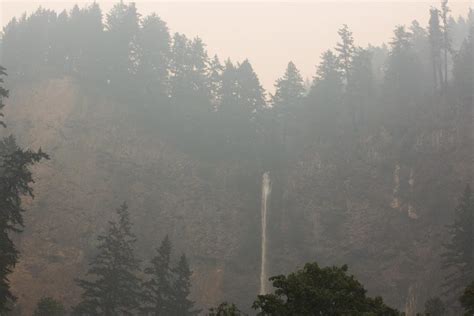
463	73
122	26
154	54
114	286
446	39
215	81
345	49
181	304
15	183
435	37
48	306
289	90
361	86
157	290
467	300
325	96
435	307
458	258
403	75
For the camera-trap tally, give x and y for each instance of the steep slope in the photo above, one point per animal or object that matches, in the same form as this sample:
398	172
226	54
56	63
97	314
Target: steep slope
379	204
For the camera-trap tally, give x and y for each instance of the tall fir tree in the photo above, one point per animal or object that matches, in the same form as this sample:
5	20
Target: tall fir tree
289	89
48	306
458	258
467	299
446	39
435	38
15	183
181	304
113	288
157	290
153	60
345	49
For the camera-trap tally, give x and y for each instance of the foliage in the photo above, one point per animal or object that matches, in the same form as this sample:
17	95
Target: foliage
467	299
114	286
458	258
319	291
225	309
15	183
48	306
435	307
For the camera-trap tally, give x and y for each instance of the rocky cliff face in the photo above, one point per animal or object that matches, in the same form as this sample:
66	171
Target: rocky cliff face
379	206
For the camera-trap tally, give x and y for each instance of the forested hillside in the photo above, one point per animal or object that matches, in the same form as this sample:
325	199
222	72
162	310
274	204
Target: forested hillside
367	163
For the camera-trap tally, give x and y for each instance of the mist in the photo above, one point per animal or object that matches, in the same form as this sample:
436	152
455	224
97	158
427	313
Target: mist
236	158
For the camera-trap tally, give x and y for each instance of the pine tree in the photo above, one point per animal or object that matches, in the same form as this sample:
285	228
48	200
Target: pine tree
446	39
435	307
48	306
325	96
154	54
467	299
181	304
435	37
458	258
289	90
157	290
15	182
114	286
463	73
346	49
215	81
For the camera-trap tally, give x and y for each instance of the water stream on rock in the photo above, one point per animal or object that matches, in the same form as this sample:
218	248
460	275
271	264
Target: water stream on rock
266	190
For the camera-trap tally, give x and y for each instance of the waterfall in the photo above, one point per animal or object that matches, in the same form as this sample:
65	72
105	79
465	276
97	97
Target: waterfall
266	190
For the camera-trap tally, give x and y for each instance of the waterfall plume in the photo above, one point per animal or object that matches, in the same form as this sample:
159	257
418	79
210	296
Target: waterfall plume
266	190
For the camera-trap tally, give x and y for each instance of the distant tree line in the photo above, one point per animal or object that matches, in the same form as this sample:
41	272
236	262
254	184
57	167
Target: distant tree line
218	109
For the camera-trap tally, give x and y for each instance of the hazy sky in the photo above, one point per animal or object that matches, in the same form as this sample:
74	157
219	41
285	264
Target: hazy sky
269	33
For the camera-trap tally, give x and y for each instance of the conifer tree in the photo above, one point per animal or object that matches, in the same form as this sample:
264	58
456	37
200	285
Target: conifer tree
458	258
435	307
446	39
467	300
113	288
48	306
181	304
435	38
289	90
154	54
157	290
345	49
15	182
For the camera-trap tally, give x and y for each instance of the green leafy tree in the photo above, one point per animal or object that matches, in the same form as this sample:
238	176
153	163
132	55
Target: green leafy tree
435	307
157	290
225	309
458	258
15	183
114	286
319	291
467	300
48	306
